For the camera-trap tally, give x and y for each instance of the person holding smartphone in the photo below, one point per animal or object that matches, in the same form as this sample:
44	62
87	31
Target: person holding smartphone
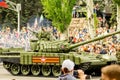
68	70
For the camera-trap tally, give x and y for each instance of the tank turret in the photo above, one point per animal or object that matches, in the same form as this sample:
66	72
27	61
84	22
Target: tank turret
61	46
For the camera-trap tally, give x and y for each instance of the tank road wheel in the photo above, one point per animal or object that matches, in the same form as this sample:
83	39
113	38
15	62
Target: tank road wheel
35	69
15	69
25	69
56	70
46	70
6	65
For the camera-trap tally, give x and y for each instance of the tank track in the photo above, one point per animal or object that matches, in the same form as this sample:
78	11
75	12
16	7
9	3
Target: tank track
34	70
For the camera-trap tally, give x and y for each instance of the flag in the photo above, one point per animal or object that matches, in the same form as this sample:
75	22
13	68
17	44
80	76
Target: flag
3	4
36	22
41	18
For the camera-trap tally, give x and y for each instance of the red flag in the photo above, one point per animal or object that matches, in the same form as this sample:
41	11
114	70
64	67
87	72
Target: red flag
3	4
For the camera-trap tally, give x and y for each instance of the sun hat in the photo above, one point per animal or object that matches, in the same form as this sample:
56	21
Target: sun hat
68	64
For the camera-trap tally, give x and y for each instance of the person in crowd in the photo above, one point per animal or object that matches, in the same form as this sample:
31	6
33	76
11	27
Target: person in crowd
110	72
68	70
103	49
97	10
74	12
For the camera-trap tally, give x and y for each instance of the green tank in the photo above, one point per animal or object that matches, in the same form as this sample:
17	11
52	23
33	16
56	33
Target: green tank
47	54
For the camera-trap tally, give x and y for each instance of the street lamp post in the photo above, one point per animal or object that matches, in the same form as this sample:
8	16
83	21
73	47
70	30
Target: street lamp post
18	11
17	8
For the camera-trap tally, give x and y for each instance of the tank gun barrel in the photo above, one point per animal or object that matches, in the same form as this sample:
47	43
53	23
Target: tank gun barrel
92	40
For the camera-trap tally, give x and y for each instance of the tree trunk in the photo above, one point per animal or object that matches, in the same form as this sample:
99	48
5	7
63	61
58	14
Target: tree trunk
90	18
118	21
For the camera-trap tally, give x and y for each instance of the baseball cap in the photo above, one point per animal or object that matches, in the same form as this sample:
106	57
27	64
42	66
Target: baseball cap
68	64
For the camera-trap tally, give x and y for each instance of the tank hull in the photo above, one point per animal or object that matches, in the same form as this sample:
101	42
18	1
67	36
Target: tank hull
47	64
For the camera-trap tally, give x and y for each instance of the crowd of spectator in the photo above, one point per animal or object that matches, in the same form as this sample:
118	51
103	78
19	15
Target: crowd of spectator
11	38
81	33
108	45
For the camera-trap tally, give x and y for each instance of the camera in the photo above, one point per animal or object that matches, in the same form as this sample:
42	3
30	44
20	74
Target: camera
75	73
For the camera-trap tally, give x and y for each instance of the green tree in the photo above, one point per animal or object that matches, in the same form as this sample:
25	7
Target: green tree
117	2
59	11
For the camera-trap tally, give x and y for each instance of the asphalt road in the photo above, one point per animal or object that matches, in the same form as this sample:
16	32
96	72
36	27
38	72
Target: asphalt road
5	75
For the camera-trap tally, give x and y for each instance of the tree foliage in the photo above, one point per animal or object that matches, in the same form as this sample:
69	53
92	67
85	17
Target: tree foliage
117	2
95	21
28	9
114	14
59	11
